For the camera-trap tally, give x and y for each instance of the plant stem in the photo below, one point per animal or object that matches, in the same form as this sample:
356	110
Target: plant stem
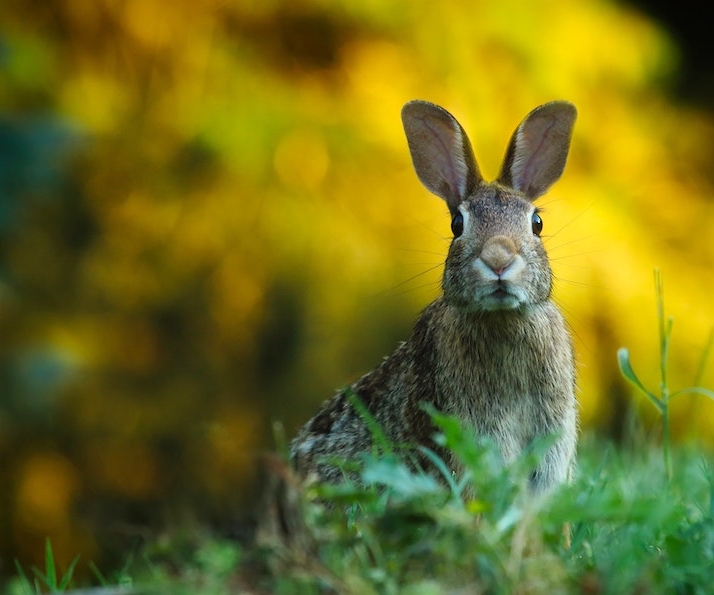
665	330
665	444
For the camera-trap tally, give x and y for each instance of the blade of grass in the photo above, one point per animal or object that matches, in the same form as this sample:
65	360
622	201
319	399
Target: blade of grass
67	577
446	473
101	579
26	584
704	359
49	577
378	436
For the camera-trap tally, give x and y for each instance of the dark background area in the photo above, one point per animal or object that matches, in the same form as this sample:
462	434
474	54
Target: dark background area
689	25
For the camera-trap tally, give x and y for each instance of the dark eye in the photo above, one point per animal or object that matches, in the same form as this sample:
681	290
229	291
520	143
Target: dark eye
457	224
537	224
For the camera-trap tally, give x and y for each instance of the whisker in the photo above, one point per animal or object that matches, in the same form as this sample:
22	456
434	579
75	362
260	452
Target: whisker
568	243
409	280
417	287
574	219
576	255
431	252
430	229
573	283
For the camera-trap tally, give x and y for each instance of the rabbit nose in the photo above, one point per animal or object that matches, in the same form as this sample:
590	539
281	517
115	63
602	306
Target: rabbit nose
498	253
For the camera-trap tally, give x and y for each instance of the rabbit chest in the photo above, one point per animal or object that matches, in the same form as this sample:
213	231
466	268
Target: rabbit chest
509	374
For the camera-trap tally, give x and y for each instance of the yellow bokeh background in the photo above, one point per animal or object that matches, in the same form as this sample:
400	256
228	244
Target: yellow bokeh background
242	231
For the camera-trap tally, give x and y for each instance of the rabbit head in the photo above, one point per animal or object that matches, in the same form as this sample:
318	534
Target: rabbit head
496	260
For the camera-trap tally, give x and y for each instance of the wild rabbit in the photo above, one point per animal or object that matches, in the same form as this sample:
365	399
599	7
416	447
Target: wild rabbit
494	350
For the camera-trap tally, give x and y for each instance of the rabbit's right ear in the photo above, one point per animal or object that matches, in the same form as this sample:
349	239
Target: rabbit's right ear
441	152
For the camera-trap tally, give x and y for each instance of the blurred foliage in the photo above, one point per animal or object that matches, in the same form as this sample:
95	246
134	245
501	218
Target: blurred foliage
209	221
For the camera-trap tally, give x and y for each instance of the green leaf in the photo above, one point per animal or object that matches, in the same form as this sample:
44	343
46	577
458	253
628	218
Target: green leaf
696	390
623	358
391	472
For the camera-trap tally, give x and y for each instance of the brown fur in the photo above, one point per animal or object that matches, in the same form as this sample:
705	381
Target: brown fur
494	350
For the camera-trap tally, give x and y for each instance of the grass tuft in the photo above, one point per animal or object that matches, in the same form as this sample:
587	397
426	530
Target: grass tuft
49	579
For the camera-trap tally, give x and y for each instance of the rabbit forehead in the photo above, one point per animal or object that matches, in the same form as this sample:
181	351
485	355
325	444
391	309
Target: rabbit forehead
495	205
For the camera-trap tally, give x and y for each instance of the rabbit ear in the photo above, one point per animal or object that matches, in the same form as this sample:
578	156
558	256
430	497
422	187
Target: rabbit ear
441	152
536	155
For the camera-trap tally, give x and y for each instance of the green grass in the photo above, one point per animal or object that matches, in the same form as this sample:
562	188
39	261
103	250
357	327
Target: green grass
641	520
632	529
396	531
49	579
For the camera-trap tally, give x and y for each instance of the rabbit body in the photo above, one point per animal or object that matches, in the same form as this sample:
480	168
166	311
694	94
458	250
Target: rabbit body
494	350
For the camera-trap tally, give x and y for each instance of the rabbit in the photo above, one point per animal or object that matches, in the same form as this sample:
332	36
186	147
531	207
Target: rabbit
494	350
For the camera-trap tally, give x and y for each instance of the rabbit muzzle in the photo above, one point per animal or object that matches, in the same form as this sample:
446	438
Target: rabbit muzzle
500	266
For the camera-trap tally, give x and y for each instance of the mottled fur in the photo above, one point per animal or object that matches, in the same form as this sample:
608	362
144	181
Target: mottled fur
494	350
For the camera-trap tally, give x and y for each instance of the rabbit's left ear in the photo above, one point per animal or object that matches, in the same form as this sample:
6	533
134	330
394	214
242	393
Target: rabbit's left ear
538	149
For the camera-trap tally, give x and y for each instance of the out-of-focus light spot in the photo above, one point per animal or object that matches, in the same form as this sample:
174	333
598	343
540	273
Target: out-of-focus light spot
45	492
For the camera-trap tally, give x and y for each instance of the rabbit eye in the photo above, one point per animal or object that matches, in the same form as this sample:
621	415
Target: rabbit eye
457	224
537	224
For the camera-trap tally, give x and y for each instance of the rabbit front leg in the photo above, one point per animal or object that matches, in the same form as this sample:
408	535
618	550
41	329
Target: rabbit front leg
557	467
557	464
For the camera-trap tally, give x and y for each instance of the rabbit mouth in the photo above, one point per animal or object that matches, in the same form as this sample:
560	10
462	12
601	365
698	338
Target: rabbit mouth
501	298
